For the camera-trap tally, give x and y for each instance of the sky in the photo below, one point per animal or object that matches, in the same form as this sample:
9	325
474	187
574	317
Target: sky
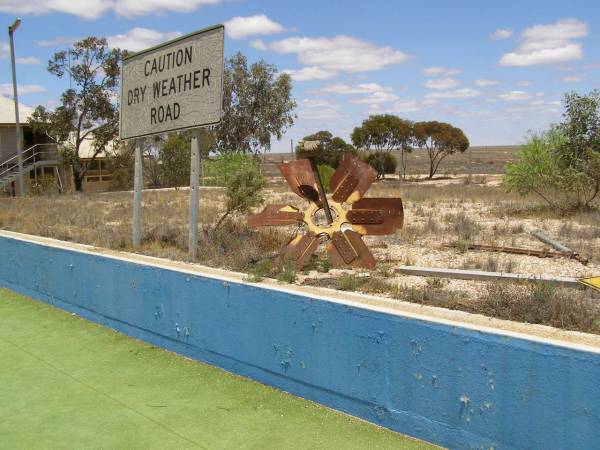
498	70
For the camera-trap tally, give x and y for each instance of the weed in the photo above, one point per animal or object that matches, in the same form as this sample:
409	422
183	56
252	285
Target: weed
286	274
436	283
462	246
464	227
491	264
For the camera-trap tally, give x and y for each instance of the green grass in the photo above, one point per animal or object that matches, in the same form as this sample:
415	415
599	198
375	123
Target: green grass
68	383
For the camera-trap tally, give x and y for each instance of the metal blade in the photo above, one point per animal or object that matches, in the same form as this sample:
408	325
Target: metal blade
376	216
348	249
351	179
274	215
301	178
300	249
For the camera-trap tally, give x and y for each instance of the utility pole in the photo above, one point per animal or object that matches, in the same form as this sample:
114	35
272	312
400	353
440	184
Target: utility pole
11	30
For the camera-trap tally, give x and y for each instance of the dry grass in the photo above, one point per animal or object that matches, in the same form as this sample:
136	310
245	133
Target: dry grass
524	302
104	220
434	215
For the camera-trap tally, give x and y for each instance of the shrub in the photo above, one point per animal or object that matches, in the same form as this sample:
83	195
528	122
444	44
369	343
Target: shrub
562	165
382	162
325	172
219	171
330	151
175	156
244	182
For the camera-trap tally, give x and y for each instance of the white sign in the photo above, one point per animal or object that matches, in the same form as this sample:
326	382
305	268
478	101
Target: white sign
173	86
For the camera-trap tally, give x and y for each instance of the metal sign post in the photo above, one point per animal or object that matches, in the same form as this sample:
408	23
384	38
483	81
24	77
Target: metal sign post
194	194
174	86
137	195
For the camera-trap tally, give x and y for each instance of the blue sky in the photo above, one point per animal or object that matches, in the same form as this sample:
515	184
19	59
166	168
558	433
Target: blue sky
495	69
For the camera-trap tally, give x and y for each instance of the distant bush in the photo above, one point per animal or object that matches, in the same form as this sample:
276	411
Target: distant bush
383	162
331	150
325	172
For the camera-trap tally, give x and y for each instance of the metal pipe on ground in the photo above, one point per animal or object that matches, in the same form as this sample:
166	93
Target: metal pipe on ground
558	246
521	251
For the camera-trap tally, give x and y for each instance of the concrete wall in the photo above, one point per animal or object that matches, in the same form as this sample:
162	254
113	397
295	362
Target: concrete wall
457	385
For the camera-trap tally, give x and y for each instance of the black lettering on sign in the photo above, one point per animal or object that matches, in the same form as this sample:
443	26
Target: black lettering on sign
164	114
196	79
205	77
168	61
136	95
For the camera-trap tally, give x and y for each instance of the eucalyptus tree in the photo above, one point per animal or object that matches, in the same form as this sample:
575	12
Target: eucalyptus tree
440	140
257	105
88	110
384	133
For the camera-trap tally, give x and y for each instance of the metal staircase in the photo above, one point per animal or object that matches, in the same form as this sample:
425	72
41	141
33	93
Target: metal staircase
39	155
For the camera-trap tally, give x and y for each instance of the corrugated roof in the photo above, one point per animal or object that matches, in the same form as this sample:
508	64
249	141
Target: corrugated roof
7	111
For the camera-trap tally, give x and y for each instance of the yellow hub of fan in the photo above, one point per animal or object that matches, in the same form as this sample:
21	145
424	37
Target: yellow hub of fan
311	219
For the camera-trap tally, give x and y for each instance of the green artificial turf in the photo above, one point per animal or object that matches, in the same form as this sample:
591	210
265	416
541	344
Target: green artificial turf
68	383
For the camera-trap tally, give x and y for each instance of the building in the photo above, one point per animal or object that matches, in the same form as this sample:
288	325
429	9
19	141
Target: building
41	162
43	168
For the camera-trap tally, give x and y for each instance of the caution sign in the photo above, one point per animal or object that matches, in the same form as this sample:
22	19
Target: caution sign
173	86
593	282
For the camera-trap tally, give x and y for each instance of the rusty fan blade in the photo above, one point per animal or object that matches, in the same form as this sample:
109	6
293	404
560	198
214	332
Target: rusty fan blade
301	178
347	248
351	179
275	215
300	249
376	216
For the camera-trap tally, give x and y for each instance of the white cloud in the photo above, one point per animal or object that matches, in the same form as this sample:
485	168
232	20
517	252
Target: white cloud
455	93
548	44
398	107
363	88
5	54
317	103
536	106
339	54
57	42
440	71
93	9
138	39
320	114
501	33
376	98
518	95
242	27
573	78
524	83
441	83
258	44
484	82
27	60
374	93
310	73
6	89
403	106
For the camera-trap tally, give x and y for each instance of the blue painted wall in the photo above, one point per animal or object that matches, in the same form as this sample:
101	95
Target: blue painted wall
455	387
